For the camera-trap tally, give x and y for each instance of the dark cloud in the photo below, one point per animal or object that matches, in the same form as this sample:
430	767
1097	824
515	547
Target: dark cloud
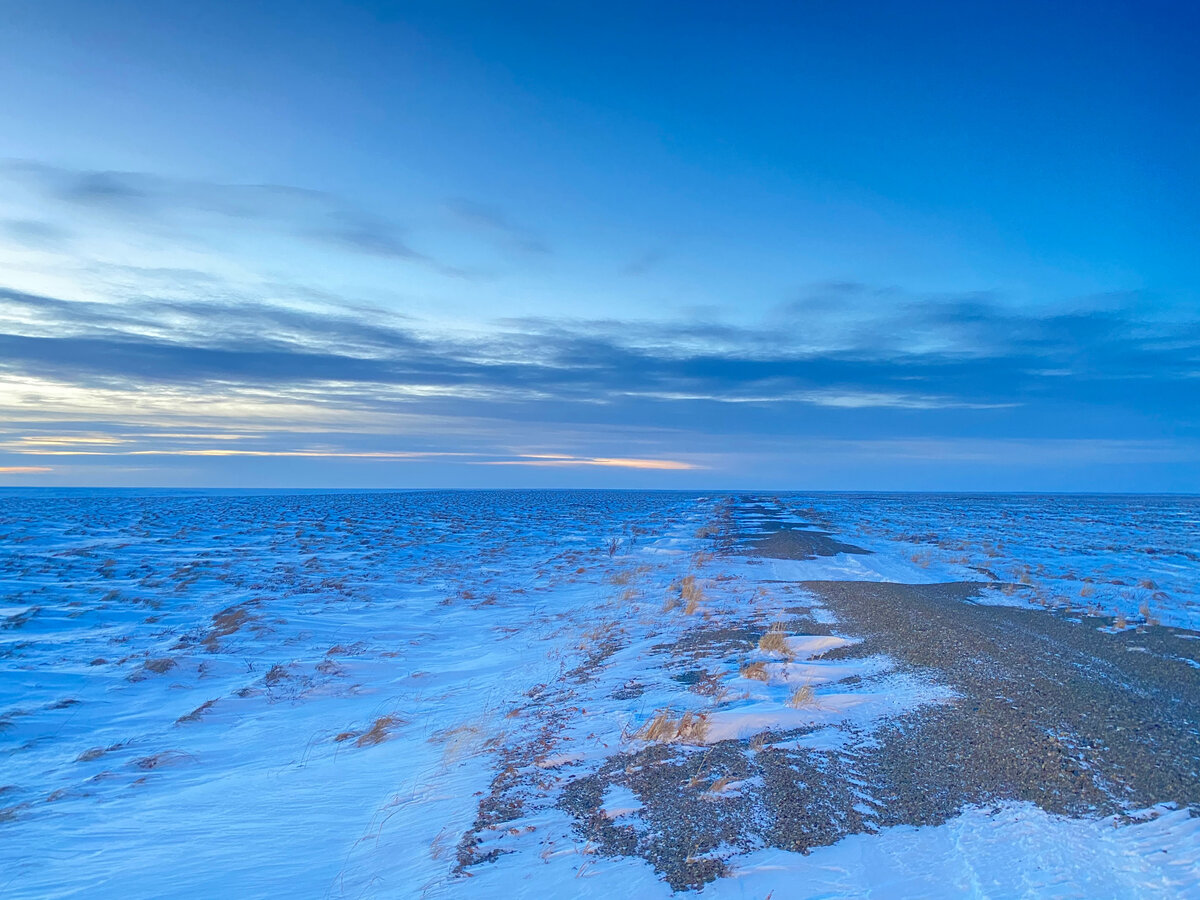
494	221
105	189
34	233
1093	372
368	234
644	262
160	202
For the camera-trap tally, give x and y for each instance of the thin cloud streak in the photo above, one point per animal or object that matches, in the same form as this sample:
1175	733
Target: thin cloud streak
606	462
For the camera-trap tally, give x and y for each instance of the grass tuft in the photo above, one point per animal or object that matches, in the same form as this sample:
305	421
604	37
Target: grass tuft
691	593
775	640
756	671
719	785
664	728
804	697
196	714
379	732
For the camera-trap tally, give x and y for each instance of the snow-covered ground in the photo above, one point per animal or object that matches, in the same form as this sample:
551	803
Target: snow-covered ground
223	695
1108	554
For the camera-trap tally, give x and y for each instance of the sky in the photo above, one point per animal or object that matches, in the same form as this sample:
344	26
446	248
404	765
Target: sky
809	246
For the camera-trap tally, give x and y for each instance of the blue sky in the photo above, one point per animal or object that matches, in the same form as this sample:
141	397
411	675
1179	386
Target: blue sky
814	246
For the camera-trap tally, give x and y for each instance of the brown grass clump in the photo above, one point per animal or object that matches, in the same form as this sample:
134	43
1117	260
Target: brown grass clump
195	714
803	697
719	785
692	594
757	671
1147	584
1120	623
1086	591
158	760
664	728
710	684
672	602
226	622
759	741
708	531
775	640
379	732
153	667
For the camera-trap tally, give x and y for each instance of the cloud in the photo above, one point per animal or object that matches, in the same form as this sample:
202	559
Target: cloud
1109	356
181	205
34	233
644	262
494	222
968	379
662	465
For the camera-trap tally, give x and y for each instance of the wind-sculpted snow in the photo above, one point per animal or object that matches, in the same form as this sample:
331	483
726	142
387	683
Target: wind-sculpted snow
1138	557
445	693
202	692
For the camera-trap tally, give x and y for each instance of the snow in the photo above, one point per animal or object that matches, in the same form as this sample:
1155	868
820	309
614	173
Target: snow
235	695
1016	850
1106	554
620	801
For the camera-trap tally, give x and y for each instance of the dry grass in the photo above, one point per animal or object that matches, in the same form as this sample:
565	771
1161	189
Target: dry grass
158	760
711	684
664	728
691	593
1086	591
719	785
153	667
775	640
96	753
1120	623
622	577
670	603
756	671
758	742
803	697
1147	584
195	714
458	741
228	621
379	732
708	531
